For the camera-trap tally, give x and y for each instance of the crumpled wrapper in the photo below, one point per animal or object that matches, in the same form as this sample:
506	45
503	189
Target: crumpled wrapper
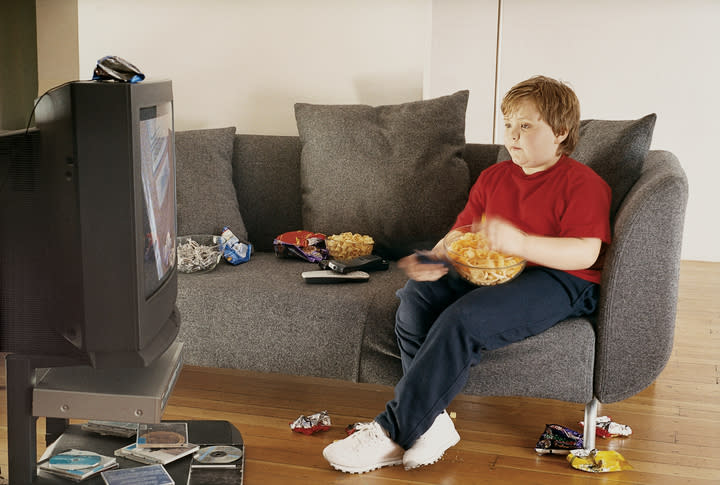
598	461
557	439
311	424
605	427
306	245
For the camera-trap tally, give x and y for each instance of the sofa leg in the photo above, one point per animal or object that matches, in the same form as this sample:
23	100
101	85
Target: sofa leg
591	409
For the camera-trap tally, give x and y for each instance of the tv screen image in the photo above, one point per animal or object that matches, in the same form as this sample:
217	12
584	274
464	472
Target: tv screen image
158	178
88	226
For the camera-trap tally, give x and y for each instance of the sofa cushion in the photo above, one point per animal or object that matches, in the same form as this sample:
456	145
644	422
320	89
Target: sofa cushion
616	151
262	316
206	196
394	172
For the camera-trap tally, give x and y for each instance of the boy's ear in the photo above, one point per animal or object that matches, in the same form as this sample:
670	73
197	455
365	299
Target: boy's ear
560	137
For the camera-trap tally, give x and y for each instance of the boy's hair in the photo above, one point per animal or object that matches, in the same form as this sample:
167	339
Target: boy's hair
557	103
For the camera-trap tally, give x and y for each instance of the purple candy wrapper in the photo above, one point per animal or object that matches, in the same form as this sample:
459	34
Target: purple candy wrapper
558	439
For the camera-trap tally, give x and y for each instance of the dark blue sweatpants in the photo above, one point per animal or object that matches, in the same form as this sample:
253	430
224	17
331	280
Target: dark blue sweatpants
444	326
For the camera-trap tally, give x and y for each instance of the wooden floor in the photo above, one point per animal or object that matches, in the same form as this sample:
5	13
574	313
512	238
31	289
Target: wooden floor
675	422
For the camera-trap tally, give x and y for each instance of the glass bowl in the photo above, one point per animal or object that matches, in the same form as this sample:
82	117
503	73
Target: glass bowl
347	245
475	262
199	253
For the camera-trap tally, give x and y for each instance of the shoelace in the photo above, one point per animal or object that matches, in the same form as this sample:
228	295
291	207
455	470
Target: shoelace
368	432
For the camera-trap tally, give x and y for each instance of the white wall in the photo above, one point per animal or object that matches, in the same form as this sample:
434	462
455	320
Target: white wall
245	63
462	56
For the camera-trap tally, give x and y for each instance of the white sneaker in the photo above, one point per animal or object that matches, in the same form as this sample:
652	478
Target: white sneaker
368	448
431	446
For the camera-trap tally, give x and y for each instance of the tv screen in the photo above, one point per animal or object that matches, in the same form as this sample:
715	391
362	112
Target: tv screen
158	179
88	226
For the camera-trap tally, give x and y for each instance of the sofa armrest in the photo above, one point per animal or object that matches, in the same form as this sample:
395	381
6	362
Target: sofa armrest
638	301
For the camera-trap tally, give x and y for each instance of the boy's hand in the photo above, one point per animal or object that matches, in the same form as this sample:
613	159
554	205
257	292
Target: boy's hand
423	271
504	237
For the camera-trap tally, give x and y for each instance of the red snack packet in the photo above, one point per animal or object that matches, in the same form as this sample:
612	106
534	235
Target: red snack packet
306	245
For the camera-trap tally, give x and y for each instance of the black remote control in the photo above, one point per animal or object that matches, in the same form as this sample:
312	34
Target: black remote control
426	257
369	262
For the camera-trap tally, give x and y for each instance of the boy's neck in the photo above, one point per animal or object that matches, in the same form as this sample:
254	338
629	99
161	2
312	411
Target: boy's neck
548	166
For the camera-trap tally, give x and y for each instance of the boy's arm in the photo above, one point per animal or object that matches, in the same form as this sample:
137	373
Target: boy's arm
563	253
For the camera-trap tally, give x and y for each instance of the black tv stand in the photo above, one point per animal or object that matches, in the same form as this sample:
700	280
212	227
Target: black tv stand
22	429
61	388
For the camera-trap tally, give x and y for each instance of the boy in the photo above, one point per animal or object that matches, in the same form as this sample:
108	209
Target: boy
541	205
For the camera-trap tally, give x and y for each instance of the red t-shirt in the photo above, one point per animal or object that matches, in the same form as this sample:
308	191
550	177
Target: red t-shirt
567	200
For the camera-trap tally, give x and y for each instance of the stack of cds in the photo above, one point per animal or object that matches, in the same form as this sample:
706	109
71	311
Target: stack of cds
78	465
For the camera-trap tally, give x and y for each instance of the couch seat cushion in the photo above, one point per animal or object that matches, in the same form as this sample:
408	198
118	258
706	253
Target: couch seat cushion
262	316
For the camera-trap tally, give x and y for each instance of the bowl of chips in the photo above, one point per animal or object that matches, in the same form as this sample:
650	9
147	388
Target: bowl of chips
348	245
199	253
471	256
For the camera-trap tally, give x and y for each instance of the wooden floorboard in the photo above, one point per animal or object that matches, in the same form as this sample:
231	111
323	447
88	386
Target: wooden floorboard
675	421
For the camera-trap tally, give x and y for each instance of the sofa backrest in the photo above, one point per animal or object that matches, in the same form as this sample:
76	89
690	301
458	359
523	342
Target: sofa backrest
266	175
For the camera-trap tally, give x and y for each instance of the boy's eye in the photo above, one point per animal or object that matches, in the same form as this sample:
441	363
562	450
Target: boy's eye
525	126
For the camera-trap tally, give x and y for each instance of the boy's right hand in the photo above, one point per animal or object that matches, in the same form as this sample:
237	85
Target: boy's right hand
420	267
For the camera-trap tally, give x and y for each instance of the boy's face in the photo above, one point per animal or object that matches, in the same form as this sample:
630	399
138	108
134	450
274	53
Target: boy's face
530	140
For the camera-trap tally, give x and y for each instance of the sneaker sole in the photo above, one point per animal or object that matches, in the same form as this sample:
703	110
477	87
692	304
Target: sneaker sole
434	459
347	469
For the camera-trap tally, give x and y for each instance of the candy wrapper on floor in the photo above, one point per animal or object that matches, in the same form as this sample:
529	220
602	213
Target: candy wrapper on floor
311	424
306	245
236	251
605	427
598	461
558	440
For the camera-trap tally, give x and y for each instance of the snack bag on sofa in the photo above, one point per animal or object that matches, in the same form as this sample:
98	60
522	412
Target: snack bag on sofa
236	251
306	245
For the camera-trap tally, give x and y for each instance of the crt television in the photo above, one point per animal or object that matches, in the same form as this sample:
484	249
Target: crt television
88	226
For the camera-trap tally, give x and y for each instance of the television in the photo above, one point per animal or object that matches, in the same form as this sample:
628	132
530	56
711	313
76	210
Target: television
88	226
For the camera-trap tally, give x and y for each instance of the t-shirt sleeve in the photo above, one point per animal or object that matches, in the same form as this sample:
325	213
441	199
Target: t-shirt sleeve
587	213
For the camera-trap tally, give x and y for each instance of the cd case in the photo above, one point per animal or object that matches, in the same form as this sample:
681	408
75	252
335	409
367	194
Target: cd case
215	476
141	475
111	428
151	456
162	435
213	456
77	465
217	465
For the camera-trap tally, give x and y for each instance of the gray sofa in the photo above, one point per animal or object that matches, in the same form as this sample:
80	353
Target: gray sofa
261	316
